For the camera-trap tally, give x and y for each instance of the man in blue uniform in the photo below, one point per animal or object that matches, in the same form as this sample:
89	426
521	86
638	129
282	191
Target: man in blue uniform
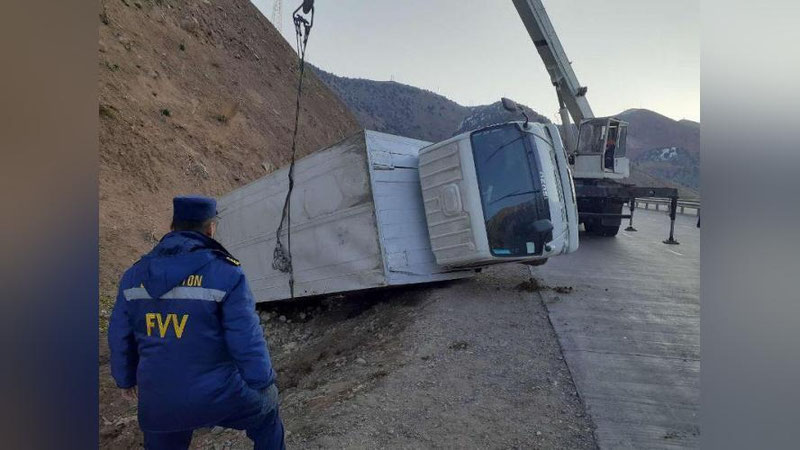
185	338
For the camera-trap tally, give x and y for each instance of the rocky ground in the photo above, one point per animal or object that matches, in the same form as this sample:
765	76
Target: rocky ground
472	363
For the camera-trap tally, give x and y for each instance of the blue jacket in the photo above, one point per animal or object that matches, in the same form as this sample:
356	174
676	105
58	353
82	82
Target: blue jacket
184	329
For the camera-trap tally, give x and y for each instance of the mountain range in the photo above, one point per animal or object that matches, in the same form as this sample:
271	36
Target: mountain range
663	151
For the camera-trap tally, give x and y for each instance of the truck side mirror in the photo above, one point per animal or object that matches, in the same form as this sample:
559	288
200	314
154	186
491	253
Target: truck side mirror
509	105
542	226
512	106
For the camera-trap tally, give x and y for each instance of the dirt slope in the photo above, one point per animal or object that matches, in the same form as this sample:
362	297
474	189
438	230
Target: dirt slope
194	97
464	364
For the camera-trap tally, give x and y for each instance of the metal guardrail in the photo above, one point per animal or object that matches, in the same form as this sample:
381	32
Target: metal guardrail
679	206
683	205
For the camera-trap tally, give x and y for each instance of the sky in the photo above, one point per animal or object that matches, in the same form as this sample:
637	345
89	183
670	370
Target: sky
630	53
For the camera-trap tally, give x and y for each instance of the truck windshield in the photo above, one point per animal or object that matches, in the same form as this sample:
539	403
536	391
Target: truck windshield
512	197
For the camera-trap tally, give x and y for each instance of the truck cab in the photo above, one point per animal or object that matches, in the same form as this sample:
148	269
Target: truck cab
601	149
498	194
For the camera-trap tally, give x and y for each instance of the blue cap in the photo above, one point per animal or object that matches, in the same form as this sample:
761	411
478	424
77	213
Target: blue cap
193	208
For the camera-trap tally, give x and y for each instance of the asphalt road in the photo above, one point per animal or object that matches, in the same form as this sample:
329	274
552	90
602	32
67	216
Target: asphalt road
630	331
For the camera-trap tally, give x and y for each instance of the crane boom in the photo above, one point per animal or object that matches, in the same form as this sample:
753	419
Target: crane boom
569	90
598	153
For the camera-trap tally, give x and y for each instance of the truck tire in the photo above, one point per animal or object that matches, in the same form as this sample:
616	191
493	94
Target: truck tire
607	231
595	225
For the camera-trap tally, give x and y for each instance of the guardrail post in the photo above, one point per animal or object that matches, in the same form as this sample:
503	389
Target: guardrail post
630	223
673	209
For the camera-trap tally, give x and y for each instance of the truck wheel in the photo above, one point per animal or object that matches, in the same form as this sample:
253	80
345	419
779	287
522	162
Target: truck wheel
607	231
600	229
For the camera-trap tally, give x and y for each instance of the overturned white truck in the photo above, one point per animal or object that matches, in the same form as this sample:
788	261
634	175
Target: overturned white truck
380	210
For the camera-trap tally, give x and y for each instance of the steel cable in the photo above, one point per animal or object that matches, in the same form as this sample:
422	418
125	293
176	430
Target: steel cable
282	257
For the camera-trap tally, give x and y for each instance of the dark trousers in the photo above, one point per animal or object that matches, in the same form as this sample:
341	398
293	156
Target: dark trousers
265	428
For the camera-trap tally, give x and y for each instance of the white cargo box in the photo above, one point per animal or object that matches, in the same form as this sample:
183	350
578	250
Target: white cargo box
358	221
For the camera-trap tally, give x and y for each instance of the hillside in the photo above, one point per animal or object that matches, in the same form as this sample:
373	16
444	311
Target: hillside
194	97
662	147
418	113
641	178
396	108
649	130
670	163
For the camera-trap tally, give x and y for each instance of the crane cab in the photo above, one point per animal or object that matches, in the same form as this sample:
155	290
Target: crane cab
600	151
499	194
